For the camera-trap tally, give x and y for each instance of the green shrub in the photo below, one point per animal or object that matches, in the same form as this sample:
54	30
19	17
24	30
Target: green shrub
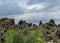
26	36
32	36
12	36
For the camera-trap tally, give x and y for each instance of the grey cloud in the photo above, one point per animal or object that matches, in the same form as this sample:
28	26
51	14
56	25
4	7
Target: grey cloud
52	2
49	3
10	7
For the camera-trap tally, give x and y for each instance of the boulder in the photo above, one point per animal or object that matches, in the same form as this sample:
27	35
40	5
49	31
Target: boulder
6	22
51	22
40	23
21	22
29	24
48	37
34	25
58	34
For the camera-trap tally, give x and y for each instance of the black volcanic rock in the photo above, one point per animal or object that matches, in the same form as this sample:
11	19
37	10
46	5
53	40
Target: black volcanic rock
21	22
29	24
51	22
58	34
47	36
12	22
40	23
34	25
6	21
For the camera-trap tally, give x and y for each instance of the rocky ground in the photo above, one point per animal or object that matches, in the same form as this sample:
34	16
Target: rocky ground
52	31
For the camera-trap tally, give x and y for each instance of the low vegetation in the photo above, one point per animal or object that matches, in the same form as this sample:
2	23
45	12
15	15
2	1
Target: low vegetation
12	36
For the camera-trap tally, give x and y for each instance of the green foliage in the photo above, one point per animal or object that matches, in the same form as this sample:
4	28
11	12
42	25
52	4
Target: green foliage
12	36
41	31
41	41
32	36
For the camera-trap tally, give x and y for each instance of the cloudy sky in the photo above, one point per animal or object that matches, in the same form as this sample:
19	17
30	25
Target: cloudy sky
31	10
